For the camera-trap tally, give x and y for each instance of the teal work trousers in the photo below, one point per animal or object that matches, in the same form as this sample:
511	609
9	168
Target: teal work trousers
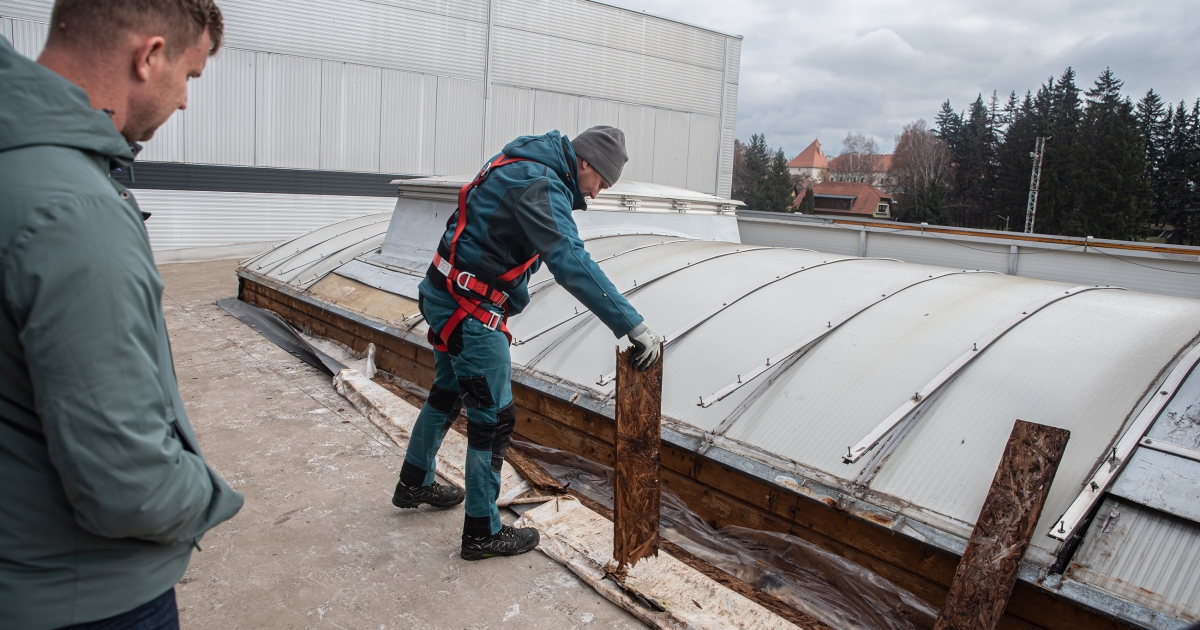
474	374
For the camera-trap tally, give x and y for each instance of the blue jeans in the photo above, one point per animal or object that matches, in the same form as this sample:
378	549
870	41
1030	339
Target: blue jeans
477	377
159	613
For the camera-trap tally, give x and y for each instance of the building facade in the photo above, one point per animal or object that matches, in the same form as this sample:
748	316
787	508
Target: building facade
312	106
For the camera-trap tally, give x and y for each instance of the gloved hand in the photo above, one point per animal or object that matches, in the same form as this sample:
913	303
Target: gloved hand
648	344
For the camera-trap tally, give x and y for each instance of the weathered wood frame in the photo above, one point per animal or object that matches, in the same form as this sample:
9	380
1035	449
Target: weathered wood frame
718	493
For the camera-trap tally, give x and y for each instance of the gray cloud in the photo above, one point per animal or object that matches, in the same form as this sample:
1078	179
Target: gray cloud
822	69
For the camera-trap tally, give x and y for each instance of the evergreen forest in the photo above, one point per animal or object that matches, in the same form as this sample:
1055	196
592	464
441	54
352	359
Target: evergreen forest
1112	167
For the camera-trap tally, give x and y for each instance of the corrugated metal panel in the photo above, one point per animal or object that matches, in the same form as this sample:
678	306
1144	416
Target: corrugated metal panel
219	125
1144	556
1082	364
409	116
512	116
288	112
638	124
368	33
612	27
1161	481
1179	422
350	107
525	59
168	143
552	110
31	10
6	30
28	37
459	134
931	251
597	111
671	135
1093	268
205	219
704	146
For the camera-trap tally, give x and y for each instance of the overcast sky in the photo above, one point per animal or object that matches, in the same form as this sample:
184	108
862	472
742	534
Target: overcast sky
820	69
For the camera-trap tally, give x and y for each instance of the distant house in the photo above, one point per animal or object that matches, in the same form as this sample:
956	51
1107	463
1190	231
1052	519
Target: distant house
872	168
852	199
811	163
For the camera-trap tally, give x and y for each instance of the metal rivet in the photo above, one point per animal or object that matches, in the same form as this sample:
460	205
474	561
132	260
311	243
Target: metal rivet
1062	527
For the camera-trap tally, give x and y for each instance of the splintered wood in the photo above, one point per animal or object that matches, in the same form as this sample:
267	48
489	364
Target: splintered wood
988	570
638	471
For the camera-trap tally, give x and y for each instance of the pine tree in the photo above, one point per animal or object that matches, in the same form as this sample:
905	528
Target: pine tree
774	192
1181	174
1114	196
1063	175
808	205
1013	162
1153	120
974	157
754	162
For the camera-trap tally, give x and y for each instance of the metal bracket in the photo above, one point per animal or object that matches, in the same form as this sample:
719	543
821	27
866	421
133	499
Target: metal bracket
679	205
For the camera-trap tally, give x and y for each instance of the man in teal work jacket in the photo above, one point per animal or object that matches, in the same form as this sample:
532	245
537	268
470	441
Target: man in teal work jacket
517	217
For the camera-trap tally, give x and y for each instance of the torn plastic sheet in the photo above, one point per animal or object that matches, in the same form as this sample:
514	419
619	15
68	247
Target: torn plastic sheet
272	326
814	581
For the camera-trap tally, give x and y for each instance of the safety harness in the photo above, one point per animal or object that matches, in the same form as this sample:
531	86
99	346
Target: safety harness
469	286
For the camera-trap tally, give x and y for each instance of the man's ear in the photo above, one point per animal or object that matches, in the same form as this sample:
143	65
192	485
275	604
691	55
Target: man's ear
152	52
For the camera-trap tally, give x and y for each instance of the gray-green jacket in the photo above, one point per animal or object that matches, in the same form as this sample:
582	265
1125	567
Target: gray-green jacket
103	491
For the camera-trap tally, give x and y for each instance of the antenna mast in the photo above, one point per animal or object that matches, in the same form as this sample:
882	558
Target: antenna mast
1035	178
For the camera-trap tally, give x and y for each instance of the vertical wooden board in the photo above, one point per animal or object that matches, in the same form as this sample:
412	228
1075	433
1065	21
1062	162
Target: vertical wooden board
987	573
638	465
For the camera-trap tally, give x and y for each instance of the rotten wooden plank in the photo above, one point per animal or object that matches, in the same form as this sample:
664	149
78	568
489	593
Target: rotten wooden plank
638	470
988	570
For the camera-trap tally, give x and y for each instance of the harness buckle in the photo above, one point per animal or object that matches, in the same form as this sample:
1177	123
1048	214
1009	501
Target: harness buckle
503	298
465	286
494	321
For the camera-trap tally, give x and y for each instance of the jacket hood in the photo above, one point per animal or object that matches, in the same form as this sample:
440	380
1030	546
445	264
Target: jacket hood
42	108
554	151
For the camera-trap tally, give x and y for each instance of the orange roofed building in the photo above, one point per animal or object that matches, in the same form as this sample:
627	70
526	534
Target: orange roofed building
852	199
811	163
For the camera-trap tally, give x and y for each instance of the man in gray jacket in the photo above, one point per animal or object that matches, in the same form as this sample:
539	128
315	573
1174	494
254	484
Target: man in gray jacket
104	492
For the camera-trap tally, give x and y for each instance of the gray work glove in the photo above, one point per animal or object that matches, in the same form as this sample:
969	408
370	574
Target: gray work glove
648	344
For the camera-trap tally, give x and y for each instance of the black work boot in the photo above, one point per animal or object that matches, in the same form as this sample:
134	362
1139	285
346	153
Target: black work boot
434	494
508	541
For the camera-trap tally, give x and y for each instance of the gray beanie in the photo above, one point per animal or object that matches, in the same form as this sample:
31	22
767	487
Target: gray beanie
604	148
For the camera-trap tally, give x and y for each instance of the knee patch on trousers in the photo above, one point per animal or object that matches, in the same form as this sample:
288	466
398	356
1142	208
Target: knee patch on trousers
475	392
445	401
494	437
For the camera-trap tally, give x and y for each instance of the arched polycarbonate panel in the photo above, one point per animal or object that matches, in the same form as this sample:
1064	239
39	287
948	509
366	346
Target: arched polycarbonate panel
321	252
851	381
602	250
1083	364
269	260
553	311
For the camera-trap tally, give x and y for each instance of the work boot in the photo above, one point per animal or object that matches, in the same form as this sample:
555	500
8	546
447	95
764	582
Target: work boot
506	542
434	494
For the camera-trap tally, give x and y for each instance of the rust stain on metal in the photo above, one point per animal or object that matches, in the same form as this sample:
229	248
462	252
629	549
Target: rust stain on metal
987	573
638	467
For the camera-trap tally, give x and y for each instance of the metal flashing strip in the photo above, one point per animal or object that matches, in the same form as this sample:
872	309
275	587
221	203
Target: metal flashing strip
1170	449
796	351
855	453
1095	487
538	286
669	340
301	250
627	292
749	461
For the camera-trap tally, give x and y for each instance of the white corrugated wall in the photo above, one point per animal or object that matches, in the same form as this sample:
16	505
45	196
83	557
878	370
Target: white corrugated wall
401	86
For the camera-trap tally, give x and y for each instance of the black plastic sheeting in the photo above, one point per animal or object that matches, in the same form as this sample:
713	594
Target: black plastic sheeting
276	330
814	581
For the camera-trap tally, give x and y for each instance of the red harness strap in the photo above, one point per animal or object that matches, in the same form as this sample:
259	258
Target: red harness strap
469	306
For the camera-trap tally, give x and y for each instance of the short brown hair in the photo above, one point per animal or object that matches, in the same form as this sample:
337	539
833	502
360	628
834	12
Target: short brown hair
97	22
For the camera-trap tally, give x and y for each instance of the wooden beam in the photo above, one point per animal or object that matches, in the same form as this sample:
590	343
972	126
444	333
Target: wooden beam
638	469
987	572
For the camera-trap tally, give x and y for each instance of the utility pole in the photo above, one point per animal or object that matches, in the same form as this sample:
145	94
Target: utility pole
1035	178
